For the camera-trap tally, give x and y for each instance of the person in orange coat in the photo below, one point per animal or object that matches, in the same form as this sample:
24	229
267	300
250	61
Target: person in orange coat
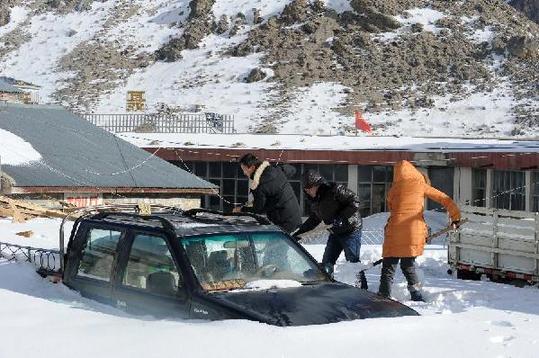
406	230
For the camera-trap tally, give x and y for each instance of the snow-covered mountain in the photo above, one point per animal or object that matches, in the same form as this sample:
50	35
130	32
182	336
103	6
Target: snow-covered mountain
413	67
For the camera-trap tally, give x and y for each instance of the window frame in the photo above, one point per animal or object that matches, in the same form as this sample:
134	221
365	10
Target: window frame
293	244
123	261
84	237
510	177
367	210
475	201
534	192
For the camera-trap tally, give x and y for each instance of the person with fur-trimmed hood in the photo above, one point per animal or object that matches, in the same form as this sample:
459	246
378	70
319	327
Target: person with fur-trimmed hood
271	192
338	206
406	230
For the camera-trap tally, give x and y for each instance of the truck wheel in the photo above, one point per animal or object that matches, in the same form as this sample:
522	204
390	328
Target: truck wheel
468	275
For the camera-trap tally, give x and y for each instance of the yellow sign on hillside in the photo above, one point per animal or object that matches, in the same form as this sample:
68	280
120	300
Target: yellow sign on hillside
136	101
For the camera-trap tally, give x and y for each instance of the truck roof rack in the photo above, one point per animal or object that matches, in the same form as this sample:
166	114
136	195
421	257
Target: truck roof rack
134	210
126	209
259	219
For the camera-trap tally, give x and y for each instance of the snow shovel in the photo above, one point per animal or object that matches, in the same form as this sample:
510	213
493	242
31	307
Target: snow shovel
357	283
445	230
371	265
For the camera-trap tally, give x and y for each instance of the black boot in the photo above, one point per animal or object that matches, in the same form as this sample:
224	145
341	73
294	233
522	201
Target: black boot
361	280
417	296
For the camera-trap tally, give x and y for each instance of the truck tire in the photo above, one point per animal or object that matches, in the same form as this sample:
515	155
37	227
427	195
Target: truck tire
468	275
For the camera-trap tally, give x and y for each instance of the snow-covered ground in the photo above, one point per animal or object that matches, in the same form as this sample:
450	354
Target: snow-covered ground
471	319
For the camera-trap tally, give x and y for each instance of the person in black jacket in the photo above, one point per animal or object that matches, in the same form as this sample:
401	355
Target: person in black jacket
337	206
272	193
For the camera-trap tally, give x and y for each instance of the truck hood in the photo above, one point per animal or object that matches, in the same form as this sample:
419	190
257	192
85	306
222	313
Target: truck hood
312	304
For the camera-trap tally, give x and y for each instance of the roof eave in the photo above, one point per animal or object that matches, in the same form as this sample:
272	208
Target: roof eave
109	190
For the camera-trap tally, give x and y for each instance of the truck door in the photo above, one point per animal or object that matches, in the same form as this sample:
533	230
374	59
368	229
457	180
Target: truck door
91	262
148	280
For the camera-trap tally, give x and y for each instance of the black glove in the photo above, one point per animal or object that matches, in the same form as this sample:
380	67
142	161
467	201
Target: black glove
339	226
295	235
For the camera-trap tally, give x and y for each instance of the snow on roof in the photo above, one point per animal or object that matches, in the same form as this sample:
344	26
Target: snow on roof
335	143
15	150
8	88
78	154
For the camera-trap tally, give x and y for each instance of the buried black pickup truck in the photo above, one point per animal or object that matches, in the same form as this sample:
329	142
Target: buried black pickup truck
206	265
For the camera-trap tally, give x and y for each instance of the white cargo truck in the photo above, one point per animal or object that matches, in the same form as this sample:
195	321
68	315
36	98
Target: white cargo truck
501	244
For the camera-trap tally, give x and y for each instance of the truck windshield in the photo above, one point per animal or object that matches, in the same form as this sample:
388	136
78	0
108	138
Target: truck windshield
230	261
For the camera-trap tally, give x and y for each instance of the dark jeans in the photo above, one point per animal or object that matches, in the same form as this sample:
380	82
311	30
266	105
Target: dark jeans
350	244
389	266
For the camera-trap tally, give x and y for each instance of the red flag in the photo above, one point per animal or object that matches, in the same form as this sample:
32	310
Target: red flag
361	123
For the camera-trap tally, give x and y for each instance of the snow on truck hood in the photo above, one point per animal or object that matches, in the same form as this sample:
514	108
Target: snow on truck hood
269	284
312	304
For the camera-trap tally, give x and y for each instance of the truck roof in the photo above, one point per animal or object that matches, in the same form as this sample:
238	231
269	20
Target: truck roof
187	223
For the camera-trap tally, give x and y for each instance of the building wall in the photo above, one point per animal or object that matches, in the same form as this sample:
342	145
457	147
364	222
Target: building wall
11	97
85	199
469	186
186	202
370	182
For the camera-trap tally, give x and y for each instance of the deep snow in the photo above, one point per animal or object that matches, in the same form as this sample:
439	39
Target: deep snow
471	319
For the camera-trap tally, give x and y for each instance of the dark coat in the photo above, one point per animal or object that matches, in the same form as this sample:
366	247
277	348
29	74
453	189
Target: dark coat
334	205
273	195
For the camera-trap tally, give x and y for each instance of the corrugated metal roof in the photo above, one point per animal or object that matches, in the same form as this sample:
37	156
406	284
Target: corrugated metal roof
76	153
8	88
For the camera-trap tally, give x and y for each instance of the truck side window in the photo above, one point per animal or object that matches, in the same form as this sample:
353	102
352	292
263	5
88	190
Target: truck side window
98	254
151	267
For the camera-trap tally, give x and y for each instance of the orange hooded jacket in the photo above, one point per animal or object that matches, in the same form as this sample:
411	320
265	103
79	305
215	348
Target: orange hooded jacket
406	230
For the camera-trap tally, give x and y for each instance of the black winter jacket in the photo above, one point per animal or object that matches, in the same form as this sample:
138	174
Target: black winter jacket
273	195
334	205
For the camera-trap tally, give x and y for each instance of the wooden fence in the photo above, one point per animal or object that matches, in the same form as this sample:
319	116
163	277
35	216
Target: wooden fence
163	123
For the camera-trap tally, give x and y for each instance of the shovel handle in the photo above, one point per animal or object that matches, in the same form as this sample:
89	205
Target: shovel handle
444	230
371	265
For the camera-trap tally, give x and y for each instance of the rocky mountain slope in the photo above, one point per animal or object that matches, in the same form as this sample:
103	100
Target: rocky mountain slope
413	67
529	7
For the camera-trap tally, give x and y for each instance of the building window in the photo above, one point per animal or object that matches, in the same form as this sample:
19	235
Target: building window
508	190
479	187
373	185
535	191
233	185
